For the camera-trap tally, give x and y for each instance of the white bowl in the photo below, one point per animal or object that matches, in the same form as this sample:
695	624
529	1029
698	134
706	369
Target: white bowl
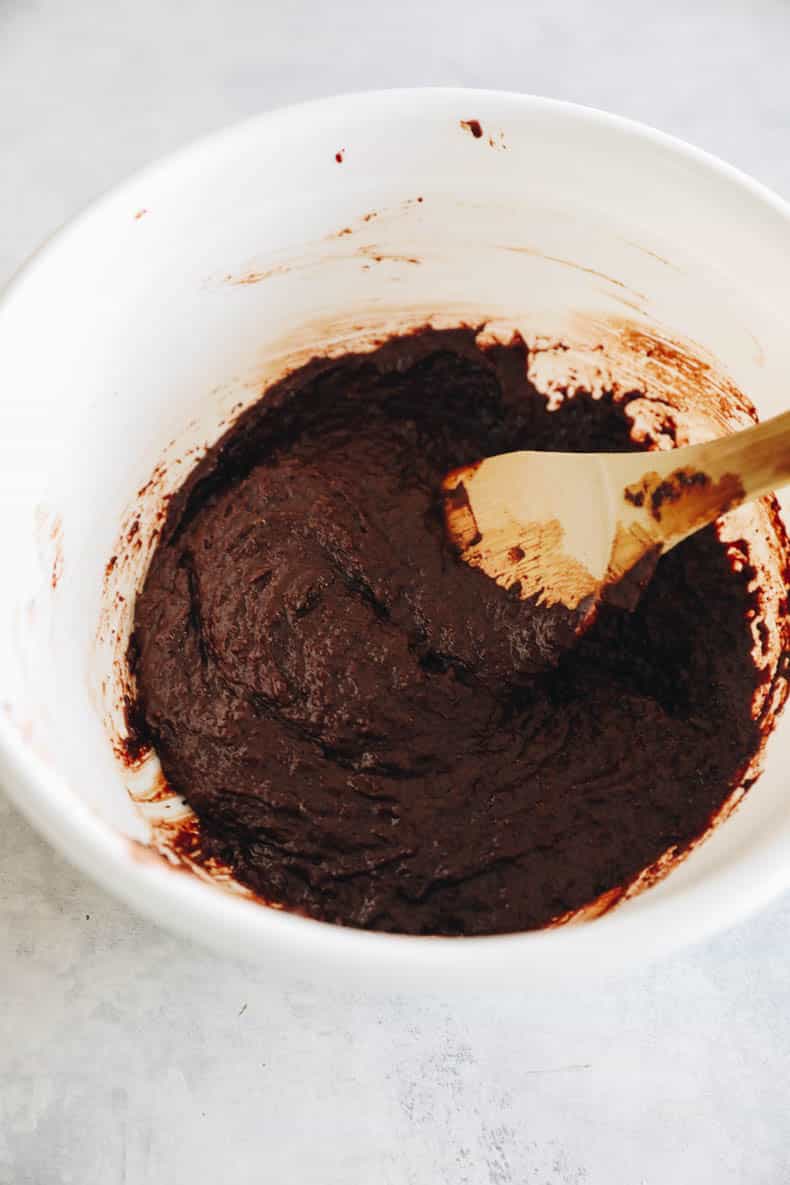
132	336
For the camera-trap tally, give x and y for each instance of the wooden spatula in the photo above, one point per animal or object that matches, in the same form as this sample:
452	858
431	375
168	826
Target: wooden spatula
578	528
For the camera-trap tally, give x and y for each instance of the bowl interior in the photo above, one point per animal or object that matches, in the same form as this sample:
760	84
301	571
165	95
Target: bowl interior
132	340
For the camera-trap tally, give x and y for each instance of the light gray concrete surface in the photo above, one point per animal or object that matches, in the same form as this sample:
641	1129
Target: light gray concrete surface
128	1056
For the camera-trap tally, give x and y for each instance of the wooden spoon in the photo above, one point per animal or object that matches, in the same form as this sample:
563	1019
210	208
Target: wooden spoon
578	528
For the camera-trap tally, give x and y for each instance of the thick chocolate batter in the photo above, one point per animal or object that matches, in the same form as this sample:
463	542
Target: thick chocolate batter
371	732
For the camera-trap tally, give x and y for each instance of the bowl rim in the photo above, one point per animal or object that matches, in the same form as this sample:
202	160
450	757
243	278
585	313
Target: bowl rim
243	928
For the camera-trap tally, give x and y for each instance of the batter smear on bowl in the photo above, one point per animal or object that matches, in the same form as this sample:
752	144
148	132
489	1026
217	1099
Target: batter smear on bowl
373	733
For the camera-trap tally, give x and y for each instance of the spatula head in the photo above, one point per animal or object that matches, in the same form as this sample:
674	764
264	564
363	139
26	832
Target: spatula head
547	523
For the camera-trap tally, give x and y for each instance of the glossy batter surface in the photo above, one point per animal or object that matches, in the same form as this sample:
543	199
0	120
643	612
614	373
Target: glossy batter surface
371	732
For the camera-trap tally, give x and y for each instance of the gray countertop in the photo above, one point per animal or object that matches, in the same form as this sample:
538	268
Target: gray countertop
130	1056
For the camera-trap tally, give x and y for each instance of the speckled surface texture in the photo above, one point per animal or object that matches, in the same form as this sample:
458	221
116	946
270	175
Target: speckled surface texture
128	1057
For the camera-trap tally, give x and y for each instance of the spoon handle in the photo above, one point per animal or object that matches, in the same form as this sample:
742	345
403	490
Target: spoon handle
680	490
759	456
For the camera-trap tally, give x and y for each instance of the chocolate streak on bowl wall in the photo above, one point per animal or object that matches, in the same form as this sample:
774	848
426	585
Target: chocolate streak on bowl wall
512	886
473	126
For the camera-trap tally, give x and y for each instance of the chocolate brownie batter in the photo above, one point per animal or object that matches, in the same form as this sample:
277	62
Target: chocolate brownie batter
371	732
